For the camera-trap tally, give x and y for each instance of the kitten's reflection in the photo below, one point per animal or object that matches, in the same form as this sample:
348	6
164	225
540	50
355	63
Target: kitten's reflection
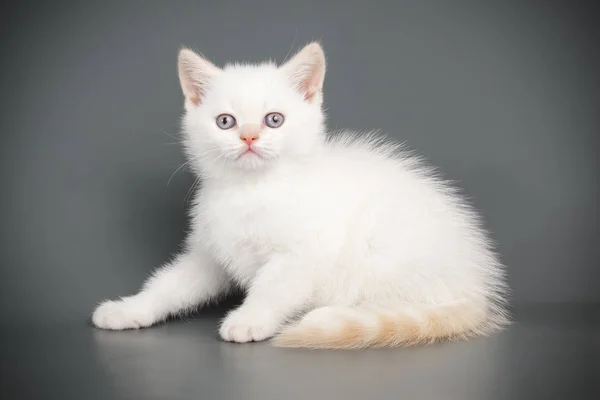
188	360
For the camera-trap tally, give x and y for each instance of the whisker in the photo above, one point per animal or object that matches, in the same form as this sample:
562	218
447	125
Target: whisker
171	143
171	136
192	188
291	47
181	166
207	152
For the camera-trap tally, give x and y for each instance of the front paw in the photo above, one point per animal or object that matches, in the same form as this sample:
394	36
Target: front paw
244	325
128	313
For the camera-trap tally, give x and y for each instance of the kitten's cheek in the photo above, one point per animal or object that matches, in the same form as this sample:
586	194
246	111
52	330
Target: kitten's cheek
245	325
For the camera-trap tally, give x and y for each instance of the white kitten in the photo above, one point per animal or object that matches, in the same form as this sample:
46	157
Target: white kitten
358	239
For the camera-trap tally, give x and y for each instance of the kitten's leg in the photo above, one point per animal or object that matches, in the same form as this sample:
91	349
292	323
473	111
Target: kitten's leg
191	279
280	289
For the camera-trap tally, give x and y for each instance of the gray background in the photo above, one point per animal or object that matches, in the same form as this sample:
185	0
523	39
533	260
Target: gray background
503	96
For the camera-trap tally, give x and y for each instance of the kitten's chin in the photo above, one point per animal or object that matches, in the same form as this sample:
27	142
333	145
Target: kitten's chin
251	160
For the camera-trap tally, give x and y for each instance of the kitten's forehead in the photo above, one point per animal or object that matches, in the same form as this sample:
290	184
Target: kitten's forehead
250	86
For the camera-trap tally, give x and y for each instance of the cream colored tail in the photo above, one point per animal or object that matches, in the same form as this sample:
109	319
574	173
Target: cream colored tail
339	327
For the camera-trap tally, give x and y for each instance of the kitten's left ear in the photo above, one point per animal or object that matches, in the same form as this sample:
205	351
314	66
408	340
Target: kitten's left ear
306	71
195	75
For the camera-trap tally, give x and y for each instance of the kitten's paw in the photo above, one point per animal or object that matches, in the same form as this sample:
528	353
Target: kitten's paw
243	326
122	314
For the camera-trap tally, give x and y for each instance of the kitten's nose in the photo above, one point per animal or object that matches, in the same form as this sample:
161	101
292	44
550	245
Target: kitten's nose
249	133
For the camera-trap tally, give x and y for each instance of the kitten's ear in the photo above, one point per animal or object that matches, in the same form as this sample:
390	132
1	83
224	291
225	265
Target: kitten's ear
195	75
307	71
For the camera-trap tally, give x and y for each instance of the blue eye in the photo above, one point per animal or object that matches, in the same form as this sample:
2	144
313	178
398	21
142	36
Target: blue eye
225	121
274	120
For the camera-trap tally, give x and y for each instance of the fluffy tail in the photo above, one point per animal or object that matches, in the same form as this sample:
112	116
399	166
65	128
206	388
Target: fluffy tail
339	327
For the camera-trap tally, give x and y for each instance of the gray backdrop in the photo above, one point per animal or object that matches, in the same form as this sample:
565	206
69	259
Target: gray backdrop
502	96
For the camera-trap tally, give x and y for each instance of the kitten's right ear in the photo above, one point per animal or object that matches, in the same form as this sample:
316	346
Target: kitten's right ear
195	75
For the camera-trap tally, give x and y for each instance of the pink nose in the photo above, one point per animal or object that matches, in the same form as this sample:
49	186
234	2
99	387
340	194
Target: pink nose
249	133
249	138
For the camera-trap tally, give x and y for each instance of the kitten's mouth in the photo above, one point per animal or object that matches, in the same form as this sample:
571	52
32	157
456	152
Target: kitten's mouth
249	151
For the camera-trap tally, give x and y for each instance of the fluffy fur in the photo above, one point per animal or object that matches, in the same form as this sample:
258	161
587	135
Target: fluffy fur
341	241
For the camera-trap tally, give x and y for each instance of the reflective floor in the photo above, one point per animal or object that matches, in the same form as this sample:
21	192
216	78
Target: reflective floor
551	352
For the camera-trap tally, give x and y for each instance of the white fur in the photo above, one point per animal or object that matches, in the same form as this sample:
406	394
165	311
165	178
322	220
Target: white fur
314	221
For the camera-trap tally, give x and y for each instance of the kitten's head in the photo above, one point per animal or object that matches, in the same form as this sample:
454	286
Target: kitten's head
248	117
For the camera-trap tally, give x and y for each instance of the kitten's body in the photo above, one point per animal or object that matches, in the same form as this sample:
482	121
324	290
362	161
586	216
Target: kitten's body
378	250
